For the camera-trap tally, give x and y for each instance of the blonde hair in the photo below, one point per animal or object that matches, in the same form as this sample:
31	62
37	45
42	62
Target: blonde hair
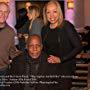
34	10
58	9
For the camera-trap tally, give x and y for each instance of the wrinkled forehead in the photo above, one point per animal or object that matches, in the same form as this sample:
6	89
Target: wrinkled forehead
4	6
34	39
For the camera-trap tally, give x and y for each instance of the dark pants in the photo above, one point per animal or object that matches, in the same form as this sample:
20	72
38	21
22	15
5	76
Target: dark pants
3	72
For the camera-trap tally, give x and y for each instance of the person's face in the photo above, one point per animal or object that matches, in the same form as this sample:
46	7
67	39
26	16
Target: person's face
4	12
52	13
29	15
27	5
34	48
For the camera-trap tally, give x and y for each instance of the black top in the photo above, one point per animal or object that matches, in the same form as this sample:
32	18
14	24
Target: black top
63	42
52	42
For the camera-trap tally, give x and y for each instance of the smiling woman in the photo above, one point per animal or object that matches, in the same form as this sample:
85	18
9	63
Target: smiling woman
61	42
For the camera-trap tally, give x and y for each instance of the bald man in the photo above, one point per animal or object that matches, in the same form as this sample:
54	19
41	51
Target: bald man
32	62
34	46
